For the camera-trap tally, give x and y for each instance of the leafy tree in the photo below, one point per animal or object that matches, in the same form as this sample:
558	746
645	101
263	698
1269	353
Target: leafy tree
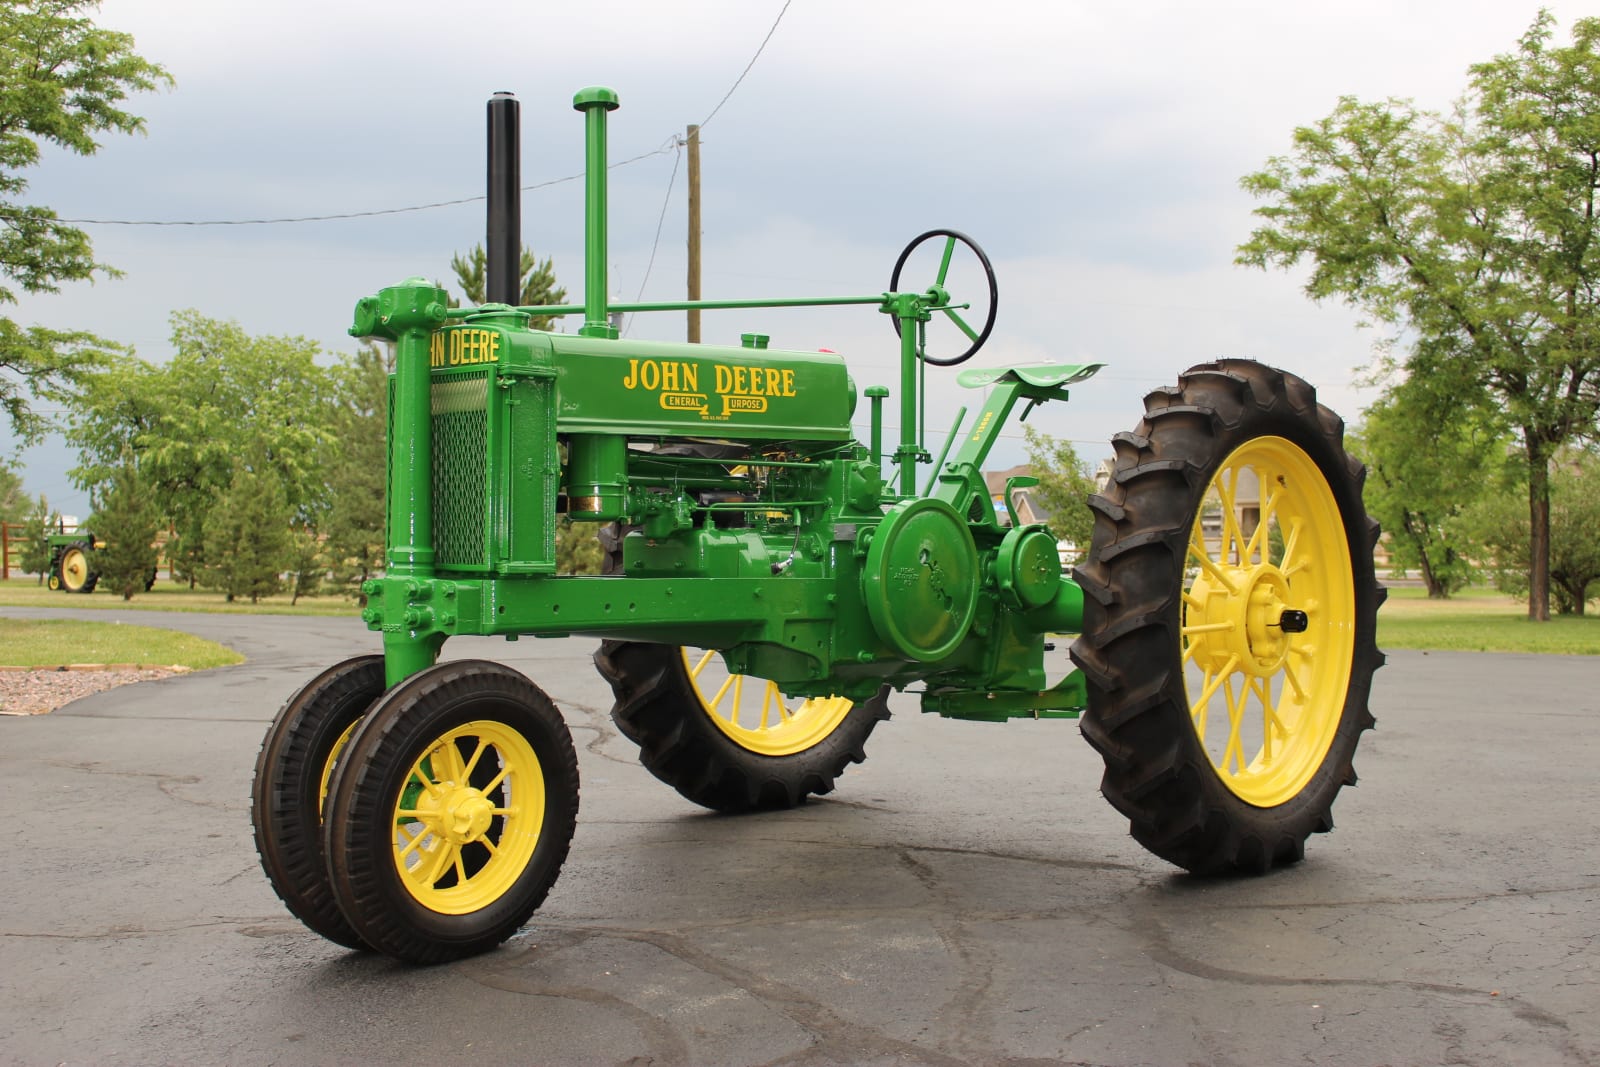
223	394
1472	235
1064	488
13	501
578	548
247	538
306	562
62	82
538	281
355	466
127	520
1429	460
1574	548
39	524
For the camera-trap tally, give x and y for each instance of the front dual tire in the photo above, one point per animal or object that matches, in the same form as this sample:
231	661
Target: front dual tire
427	822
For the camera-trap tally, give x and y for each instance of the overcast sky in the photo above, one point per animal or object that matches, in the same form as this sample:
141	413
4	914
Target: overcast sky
1093	149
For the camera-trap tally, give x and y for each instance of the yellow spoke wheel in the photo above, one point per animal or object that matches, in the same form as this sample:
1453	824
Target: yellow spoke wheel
450	812
1268	631
468	818
731	742
1229	614
290	789
754	713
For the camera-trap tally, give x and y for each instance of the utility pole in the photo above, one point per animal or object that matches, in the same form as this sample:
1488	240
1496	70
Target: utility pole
694	231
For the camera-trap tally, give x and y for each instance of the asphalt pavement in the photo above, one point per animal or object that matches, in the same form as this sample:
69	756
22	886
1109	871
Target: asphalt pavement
964	897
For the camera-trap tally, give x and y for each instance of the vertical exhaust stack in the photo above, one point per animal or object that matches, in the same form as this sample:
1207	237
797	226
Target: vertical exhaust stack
503	239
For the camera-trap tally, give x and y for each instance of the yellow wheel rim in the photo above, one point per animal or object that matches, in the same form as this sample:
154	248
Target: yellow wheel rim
74	568
753	711
1268	634
327	766
468	818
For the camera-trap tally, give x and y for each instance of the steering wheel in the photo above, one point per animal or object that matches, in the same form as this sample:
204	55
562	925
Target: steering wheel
940	298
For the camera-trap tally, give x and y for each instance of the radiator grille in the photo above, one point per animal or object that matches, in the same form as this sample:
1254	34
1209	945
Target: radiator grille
460	470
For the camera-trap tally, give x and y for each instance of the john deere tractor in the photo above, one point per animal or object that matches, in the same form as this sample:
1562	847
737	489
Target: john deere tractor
72	561
773	579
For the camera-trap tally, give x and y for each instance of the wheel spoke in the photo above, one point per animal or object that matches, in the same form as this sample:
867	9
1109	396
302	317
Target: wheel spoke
694	672
1211	685
1230	518
712	704
775	695
1258	538
413	843
1269	717
972	335
1294	683
457	767
1197	711
441	864
944	264
1207	628
1212	569
1291	541
494	783
472	764
1234	746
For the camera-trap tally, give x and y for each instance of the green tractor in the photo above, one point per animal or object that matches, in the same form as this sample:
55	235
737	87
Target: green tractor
72	561
771	580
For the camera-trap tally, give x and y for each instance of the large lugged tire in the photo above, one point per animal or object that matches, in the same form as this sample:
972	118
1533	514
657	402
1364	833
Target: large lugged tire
1228	640
291	788
450	814
734	745
74	572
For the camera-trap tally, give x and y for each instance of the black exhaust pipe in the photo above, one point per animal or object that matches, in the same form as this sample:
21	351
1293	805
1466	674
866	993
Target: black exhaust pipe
503	240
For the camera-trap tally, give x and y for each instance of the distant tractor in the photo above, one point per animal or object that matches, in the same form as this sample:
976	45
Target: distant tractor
72	561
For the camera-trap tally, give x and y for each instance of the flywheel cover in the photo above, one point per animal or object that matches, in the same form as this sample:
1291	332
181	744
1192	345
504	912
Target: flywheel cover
921	579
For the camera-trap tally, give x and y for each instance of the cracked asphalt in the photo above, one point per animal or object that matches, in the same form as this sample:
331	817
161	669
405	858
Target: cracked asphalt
965	897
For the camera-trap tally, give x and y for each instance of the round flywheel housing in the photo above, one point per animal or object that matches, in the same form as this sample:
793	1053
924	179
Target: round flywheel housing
921	579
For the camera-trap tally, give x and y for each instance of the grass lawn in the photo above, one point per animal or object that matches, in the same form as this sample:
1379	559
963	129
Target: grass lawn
1475	620
1480	620
18	592
53	642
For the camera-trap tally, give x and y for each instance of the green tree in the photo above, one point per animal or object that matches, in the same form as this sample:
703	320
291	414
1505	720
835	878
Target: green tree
578	548
62	82
1429	460
39	524
1472	235
355	466
1064	488
222	395
306	562
1574	548
125	517
538	281
247	539
13	501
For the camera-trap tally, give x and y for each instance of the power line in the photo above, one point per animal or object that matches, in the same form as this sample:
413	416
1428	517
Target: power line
665	200
705	121
673	144
342	215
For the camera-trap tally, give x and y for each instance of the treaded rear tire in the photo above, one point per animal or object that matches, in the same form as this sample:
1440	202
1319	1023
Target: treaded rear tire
1158	773
660	710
